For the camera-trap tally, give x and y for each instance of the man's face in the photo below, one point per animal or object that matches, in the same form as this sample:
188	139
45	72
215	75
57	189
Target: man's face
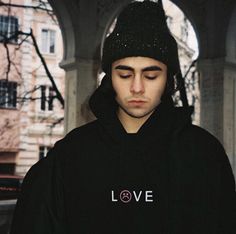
139	83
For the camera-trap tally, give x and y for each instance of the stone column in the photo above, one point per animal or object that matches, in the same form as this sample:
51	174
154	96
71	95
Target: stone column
212	95
81	81
230	113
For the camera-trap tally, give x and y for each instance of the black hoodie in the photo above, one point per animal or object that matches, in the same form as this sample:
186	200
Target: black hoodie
170	177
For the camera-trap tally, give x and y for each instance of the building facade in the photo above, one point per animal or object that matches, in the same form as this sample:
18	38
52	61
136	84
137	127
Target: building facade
31	116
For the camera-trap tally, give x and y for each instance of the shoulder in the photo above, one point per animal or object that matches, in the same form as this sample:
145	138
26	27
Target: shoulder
79	135
201	142
185	131
197	149
195	133
65	148
83	131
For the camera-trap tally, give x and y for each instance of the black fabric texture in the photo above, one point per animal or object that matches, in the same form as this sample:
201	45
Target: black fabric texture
141	30
185	167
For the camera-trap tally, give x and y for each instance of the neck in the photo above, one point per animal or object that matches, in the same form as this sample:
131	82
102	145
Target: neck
131	124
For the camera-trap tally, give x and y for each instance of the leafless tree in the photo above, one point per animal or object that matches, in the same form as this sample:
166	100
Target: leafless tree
12	44
21	37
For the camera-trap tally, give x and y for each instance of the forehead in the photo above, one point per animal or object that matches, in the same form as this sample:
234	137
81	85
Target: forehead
138	62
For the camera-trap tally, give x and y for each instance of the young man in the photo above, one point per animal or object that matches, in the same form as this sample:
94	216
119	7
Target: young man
141	167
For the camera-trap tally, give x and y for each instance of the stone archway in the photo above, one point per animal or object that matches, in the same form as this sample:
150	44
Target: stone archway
230	92
83	24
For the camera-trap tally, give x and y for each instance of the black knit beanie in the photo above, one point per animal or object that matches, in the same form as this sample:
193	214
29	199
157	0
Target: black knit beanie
141	30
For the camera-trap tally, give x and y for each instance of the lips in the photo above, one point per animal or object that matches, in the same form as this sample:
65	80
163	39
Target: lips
136	102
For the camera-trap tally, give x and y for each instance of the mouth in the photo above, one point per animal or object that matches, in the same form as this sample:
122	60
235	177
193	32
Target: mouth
136	102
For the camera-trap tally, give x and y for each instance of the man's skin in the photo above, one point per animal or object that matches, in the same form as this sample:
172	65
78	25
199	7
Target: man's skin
139	83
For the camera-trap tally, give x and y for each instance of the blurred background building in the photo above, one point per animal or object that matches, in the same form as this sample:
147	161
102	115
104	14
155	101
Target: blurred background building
31	117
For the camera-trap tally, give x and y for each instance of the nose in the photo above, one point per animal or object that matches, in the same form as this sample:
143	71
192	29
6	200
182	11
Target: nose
137	85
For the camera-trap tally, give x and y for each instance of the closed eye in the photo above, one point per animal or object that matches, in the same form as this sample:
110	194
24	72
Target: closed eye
151	77
125	76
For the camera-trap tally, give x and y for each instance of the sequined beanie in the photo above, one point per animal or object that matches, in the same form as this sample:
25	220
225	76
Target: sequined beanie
141	30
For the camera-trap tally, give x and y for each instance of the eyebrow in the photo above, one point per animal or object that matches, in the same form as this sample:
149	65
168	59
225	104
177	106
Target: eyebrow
124	67
151	68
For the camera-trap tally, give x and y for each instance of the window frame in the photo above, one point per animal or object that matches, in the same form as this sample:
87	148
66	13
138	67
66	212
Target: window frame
9	88
45	48
12	28
43	150
47	96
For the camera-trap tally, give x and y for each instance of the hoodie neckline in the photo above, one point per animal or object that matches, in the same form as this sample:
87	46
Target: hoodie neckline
165	120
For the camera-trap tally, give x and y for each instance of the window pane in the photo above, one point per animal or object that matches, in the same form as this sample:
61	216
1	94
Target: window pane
4	28
50	100
44	41
48	41
2	93
8	27
43	150
43	97
52	41
14	95
8	93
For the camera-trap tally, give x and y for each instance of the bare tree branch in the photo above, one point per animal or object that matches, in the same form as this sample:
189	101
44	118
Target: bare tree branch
59	96
8	59
6	40
11	43
41	6
56	122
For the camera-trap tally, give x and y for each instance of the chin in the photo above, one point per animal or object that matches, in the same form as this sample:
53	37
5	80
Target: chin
139	114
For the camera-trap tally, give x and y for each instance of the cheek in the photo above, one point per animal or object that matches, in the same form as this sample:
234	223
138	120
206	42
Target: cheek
157	89
119	86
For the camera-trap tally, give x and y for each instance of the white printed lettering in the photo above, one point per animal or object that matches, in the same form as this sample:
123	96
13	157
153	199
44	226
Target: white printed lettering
135	195
125	196
148	196
112	197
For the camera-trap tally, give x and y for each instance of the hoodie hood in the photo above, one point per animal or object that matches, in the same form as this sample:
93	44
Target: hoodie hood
165	119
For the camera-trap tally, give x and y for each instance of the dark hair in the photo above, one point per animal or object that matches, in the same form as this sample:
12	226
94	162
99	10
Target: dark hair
174	83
